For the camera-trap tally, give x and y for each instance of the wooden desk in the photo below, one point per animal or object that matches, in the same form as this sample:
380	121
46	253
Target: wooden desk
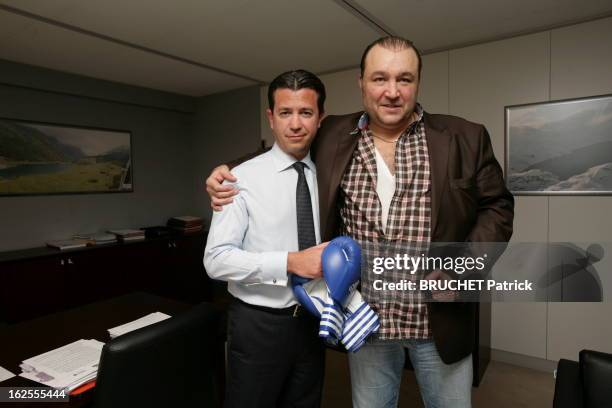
27	339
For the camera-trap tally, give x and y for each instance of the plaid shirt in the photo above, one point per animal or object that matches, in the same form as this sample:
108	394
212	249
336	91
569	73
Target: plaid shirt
403	314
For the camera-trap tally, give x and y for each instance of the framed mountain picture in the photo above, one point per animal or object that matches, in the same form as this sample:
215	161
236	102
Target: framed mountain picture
42	158
560	148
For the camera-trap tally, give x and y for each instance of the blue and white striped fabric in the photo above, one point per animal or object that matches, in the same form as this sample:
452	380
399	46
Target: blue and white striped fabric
332	322
332	317
350	325
358	326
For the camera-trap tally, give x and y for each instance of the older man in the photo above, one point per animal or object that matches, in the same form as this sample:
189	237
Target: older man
397	173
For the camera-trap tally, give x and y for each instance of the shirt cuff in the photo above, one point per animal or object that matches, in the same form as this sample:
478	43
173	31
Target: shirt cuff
274	269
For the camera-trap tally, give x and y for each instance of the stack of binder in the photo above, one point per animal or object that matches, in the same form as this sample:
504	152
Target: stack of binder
128	235
186	224
67	244
67	367
99	238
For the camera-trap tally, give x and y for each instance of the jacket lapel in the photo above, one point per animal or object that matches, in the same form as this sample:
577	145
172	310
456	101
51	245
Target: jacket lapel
438	142
328	189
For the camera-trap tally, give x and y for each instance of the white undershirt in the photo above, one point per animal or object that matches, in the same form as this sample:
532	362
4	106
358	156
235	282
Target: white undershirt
385	187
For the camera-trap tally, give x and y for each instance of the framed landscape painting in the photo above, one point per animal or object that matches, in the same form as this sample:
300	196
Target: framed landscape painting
560	148
40	158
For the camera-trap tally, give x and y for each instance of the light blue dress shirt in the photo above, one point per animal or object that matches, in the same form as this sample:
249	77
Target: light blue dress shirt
249	240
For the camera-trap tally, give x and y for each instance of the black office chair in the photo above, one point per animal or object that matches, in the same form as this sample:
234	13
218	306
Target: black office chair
168	364
586	383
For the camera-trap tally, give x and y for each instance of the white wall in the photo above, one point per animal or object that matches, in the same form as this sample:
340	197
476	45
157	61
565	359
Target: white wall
477	82
219	137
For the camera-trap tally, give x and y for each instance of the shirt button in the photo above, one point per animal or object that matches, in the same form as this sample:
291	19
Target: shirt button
273	280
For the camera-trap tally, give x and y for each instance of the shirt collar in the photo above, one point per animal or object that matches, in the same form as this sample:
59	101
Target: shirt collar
364	119
282	160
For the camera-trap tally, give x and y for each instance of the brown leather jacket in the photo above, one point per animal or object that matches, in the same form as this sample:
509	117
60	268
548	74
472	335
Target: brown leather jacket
469	202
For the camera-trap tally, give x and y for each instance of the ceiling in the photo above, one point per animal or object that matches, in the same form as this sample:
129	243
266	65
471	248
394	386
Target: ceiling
200	47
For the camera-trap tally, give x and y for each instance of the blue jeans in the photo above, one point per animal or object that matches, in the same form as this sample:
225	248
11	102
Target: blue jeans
376	373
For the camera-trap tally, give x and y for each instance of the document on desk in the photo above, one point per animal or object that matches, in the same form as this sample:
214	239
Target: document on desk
5	374
137	324
65	367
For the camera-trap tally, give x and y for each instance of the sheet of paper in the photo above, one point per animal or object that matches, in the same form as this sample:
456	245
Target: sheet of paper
138	323
66	367
5	374
74	358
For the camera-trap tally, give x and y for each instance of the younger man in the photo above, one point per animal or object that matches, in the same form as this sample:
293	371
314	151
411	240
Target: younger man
268	233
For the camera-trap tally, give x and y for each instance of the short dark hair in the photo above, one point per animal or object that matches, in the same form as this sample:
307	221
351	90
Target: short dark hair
391	43
296	80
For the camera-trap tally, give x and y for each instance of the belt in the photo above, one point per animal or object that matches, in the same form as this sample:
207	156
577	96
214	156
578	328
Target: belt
295	310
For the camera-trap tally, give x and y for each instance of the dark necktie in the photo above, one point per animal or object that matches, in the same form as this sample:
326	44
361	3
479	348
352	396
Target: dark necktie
305	224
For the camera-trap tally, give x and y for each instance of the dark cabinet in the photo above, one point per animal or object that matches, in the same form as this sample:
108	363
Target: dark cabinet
32	287
41	281
187	278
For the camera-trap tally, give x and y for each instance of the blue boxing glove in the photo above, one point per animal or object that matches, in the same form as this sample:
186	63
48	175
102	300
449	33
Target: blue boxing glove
344	315
301	294
341	263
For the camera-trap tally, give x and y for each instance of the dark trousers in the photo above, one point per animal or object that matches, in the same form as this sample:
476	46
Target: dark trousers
274	360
